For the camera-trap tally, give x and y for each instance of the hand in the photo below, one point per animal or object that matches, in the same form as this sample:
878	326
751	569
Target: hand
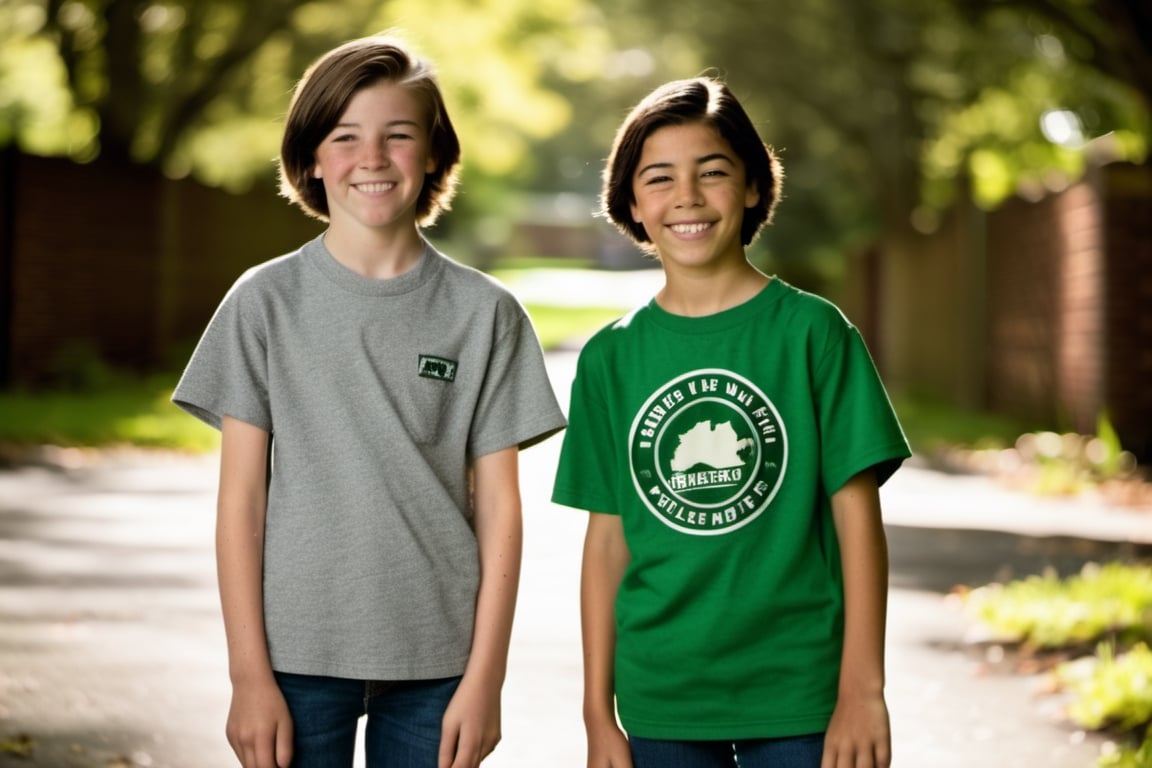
859	735
471	725
608	747
259	726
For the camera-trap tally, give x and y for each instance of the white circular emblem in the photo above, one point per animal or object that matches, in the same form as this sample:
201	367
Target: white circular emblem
707	452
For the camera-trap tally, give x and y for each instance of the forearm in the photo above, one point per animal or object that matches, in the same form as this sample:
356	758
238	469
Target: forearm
496	603
604	562
864	560
499	535
240	517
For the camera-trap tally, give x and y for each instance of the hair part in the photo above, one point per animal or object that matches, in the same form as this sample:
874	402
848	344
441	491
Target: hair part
705	100
322	96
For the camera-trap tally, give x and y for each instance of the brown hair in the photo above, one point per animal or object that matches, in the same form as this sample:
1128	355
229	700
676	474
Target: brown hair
323	94
698	100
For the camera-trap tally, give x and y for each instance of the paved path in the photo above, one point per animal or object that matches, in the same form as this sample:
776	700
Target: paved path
112	654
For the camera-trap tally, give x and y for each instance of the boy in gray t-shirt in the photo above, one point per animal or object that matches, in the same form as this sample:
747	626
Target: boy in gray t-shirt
376	565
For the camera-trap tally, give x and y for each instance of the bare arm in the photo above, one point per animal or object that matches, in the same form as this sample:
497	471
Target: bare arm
605	558
259	727
471	727
859	733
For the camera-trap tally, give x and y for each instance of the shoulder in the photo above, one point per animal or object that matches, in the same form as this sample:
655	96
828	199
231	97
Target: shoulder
269	275
462	277
810	308
611	340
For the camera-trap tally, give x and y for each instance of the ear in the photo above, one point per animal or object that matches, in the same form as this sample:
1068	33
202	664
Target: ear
635	210
430	165
751	196
316	172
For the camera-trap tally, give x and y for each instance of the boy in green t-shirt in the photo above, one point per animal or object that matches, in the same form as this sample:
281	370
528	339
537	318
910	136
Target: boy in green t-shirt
729	438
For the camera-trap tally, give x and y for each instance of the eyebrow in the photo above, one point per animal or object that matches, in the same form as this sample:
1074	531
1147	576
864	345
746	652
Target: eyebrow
389	124
699	161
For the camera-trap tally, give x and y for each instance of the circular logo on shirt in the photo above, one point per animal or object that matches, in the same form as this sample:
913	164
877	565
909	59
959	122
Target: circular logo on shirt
707	452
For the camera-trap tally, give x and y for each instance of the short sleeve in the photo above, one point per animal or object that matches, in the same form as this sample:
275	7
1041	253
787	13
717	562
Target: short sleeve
517	405
227	374
585	474
858	425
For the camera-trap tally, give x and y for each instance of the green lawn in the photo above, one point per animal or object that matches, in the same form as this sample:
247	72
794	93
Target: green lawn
117	410
132	413
122	411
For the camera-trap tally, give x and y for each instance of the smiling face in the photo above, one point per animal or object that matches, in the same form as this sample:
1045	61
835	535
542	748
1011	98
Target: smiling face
690	193
373	162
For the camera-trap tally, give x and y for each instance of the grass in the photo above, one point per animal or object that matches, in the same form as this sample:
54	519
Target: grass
111	409
136	413
558	325
930	426
105	408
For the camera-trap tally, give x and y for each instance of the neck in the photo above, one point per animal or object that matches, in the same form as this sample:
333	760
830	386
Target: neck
696	294
375	254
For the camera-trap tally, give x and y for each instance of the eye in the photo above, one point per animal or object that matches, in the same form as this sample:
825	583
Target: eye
656	180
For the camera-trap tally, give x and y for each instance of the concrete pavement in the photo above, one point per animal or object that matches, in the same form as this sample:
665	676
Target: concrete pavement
112	652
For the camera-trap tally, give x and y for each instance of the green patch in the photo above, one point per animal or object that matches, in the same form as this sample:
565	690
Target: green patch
931	426
557	326
136	413
440	368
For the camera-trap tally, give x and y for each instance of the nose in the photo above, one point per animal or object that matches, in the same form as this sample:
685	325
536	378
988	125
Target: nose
375	155
688	192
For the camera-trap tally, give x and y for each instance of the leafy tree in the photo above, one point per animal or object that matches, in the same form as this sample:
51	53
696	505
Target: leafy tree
198	86
879	108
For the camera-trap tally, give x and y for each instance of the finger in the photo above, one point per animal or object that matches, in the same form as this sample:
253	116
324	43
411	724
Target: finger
284	746
468	754
264	752
447	747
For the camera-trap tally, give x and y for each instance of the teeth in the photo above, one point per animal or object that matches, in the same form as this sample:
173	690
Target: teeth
689	229
379	186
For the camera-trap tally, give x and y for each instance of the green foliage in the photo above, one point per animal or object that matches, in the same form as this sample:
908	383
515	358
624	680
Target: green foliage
93	405
931	426
1136	756
556	326
1047	612
1069	462
135	413
1110	690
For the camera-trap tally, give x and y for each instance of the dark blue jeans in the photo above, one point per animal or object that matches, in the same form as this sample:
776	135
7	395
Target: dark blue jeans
402	730
791	752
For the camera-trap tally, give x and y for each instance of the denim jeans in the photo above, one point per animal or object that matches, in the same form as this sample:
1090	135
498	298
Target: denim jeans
790	752
402	730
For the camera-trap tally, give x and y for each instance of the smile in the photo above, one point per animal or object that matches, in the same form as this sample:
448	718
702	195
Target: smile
689	229
374	187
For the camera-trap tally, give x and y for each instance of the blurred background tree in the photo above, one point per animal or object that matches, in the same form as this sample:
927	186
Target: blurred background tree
884	112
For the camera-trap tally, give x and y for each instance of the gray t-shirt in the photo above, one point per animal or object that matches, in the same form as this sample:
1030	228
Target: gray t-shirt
378	394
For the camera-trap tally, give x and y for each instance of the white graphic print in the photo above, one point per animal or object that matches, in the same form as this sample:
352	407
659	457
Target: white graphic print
717	446
707	452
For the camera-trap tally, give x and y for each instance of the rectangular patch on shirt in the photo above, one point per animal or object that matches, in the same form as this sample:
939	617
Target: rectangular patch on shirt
433	367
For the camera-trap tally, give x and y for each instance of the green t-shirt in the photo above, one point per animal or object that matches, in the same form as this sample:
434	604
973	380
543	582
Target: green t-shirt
720	440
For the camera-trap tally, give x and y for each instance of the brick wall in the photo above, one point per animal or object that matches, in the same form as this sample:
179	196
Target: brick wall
123	262
1127	224
83	264
1040	310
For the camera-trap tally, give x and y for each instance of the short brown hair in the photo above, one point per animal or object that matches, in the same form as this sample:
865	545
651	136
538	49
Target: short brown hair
323	94
704	100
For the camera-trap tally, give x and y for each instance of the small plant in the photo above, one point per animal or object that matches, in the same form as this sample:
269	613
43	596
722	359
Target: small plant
1135	756
1110	690
1070	463
1046	612
1113	692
